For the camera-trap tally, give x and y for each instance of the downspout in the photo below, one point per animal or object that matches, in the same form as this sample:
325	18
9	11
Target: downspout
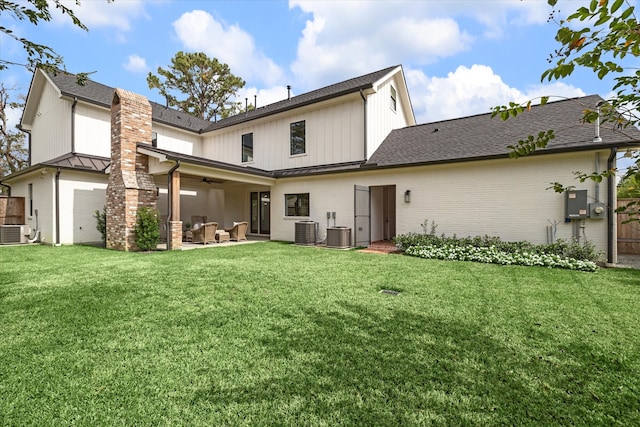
364	99
73	125
611	199
169	198
57	185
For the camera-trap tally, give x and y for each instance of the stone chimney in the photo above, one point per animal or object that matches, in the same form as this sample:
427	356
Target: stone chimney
130	184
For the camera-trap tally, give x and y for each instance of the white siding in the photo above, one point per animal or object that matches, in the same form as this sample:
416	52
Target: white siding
382	119
51	131
43	197
81	194
505	198
334	134
177	140
93	130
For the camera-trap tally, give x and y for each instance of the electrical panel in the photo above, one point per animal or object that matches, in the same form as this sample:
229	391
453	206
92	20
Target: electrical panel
576	206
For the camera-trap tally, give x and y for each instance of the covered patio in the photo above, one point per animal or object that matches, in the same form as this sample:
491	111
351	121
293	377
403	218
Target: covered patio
191	187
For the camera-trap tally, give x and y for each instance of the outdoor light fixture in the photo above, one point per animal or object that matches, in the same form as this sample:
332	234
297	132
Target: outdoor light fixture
407	196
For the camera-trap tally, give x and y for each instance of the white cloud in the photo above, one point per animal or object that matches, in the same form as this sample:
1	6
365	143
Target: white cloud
347	38
469	91
101	14
264	96
136	64
199	31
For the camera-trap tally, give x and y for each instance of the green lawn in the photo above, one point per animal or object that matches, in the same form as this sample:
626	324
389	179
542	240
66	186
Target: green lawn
275	334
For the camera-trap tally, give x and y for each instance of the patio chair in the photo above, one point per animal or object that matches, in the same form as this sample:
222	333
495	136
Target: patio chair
205	233
238	231
198	219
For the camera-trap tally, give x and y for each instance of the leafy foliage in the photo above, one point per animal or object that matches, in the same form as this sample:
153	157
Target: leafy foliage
604	38
561	254
38	55
101	223
629	187
147	228
209	85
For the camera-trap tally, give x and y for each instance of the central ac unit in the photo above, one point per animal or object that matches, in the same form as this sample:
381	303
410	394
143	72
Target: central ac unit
305	233
12	234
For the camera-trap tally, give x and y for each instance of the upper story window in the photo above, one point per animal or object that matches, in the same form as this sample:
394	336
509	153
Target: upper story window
154	139
297	204
247	147
298	144
393	98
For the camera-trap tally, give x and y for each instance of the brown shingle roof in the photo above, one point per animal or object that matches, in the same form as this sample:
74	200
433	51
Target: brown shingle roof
480	136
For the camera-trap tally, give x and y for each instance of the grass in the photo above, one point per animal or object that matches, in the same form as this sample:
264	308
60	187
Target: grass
275	334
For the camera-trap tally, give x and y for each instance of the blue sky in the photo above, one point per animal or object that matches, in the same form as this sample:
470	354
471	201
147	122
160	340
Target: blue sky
459	57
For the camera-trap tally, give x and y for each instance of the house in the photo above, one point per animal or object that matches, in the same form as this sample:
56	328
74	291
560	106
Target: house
349	154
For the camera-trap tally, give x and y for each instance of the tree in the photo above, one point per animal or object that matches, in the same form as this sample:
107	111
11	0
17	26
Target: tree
13	153
605	38
208	84
38	55
629	187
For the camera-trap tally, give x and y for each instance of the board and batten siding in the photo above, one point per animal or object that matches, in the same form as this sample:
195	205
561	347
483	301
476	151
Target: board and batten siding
505	198
382	119
334	134
51	129
178	140
93	130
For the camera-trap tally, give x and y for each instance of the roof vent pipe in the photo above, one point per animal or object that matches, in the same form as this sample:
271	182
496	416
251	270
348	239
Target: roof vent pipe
246	104
597	138
255	101
288	91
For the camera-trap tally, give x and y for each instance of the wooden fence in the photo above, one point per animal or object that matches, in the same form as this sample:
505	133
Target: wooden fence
629	233
11	210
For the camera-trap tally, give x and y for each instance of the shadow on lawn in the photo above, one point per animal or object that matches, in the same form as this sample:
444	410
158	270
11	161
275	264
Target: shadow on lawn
351	367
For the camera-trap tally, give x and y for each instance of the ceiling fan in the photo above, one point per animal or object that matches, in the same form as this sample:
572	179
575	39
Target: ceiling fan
211	180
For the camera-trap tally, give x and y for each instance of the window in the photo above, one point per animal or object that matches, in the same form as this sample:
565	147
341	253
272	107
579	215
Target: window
247	147
297	204
393	98
30	194
297	138
154	139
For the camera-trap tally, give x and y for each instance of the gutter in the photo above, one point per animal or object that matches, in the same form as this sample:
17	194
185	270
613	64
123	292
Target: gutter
73	124
611	200
169	198
364	99
8	188
57	185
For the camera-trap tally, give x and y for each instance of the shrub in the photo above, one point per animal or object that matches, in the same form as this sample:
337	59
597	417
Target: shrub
147	229
561	254
101	226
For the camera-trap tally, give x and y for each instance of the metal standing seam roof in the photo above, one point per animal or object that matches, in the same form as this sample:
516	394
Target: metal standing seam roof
482	137
70	161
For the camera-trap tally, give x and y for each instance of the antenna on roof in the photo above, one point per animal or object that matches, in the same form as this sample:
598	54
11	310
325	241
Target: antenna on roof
255	101
246	104
288	91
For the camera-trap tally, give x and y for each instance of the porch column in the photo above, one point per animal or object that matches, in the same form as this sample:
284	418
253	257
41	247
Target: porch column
175	224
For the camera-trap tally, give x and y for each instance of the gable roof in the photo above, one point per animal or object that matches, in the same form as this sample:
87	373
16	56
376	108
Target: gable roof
346	87
99	94
481	137
102	95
